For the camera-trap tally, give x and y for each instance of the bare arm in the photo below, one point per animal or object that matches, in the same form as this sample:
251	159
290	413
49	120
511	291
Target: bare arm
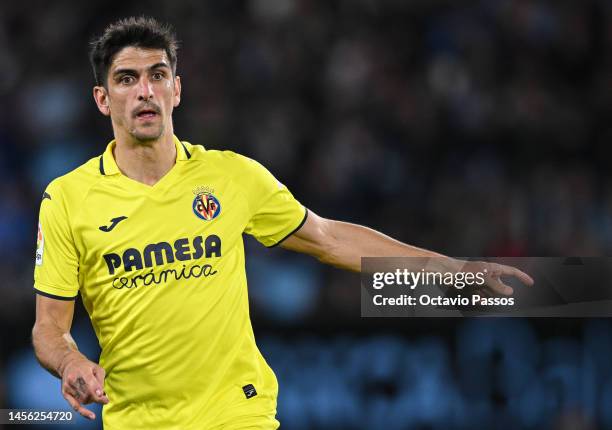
51	333
342	245
82	380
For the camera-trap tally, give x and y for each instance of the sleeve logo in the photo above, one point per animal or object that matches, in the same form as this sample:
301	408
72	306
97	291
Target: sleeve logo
40	246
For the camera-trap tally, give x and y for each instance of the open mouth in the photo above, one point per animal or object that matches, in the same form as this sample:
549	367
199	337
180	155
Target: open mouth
146	114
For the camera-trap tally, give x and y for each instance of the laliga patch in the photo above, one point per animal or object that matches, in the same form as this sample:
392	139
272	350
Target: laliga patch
40	246
205	205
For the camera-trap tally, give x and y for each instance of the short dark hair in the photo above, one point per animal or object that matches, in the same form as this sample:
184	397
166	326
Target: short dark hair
140	32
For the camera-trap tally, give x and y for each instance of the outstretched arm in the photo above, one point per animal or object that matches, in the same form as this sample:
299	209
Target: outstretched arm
342	245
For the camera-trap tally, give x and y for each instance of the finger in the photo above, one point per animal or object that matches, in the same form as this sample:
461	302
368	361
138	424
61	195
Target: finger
99	374
520	275
92	387
497	270
497	286
77	406
67	389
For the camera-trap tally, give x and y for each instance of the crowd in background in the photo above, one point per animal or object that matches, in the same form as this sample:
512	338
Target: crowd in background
477	128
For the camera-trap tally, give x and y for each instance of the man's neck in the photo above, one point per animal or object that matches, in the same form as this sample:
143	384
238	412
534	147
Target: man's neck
145	162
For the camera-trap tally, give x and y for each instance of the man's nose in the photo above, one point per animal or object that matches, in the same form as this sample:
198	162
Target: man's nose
145	89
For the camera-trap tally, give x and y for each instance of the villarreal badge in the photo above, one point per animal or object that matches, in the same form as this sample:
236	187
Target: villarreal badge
206	206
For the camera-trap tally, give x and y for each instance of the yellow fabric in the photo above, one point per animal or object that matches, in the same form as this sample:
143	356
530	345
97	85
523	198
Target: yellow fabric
165	288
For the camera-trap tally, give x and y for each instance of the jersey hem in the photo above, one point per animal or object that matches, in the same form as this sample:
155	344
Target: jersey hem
292	231
53	296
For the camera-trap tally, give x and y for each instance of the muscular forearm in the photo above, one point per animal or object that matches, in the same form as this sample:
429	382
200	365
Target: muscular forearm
343	245
54	347
350	242
82	380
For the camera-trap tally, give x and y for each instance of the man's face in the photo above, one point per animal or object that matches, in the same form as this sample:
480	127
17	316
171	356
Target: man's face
141	93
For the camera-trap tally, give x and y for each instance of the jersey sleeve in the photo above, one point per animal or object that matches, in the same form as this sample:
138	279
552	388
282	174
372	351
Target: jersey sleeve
274	213
56	269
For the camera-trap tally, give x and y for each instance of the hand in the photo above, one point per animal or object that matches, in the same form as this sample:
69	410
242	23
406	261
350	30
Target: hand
82	383
494	272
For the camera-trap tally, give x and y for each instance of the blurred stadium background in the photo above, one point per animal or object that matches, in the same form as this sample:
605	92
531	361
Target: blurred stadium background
477	128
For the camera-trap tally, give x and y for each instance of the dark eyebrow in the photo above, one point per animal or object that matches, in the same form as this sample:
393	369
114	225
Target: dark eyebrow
124	71
159	66
133	72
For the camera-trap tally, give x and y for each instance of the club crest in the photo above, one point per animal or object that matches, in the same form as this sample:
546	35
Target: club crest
206	206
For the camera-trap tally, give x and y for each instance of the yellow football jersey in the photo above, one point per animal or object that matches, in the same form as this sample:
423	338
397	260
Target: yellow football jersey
161	272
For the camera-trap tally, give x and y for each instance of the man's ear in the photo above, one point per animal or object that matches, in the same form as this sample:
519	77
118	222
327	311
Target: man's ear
177	91
101	98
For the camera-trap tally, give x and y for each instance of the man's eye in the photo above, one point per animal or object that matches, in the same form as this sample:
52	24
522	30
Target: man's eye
158	76
126	79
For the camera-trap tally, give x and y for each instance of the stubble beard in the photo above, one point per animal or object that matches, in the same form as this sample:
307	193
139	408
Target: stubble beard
149	134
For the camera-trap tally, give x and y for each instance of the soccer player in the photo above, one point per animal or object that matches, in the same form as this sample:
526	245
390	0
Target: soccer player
150	234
